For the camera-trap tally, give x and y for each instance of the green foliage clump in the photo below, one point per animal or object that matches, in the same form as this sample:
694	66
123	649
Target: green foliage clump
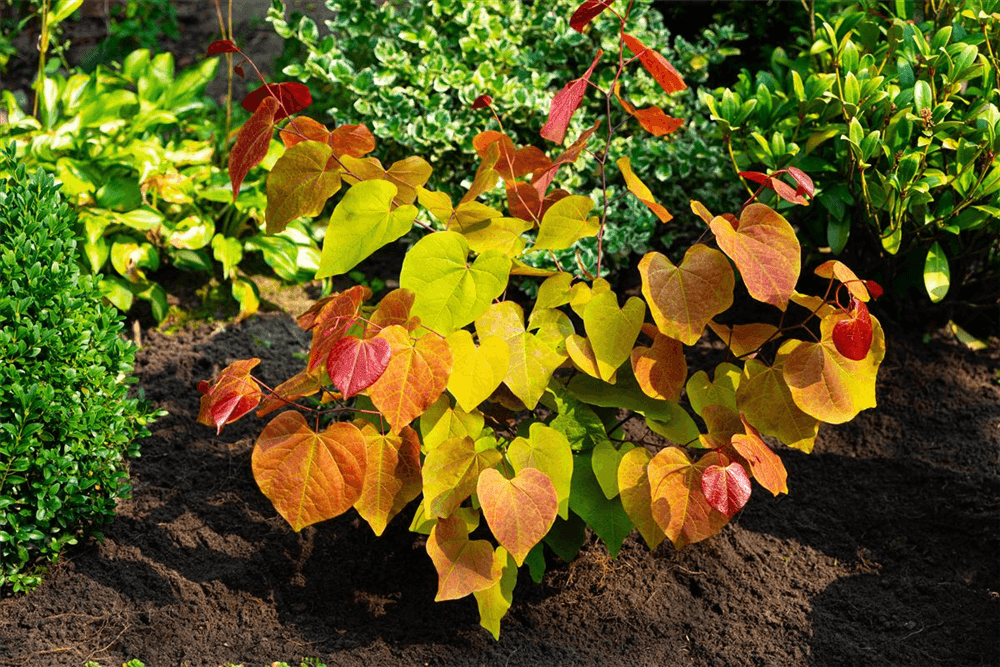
411	72
894	112
67	426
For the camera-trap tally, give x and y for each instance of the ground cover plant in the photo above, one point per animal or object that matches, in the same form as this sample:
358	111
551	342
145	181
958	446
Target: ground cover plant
524	429
893	109
67	428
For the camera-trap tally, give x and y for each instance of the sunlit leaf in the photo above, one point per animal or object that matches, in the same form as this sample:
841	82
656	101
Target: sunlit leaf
547	450
252	143
329	319
743	339
481	369
765	465
684	298
304	383
451	471
852	336
764	397
230	396
290	97
464	566
494	601
658	67
661	369
565	103
586	12
679	506
636	498
642	193
355	364
565	223
308	476
725	484
392	475
300	183
520	510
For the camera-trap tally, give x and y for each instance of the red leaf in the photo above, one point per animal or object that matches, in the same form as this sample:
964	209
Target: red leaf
804	184
565	103
354	365
781	188
873	288
204	386
725	485
292	97
329	319
252	143
482	102
221	46
852	335
239	71
586	13
664	73
541	180
233	394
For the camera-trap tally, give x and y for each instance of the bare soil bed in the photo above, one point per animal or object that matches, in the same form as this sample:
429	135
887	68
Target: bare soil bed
886	551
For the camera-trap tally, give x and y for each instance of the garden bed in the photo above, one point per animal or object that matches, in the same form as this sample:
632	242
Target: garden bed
885	551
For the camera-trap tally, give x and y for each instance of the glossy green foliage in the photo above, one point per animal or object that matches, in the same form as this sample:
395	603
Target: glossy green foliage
414	85
134	149
67	426
895	114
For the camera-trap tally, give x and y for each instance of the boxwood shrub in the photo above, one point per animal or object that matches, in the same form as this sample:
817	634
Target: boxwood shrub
67	425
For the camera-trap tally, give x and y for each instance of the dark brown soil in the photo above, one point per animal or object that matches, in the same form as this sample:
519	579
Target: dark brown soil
885	552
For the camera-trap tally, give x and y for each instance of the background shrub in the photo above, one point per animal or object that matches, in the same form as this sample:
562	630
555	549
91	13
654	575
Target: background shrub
894	113
411	71
66	424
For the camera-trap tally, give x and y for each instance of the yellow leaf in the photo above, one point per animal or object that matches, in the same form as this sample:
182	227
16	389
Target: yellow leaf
481	369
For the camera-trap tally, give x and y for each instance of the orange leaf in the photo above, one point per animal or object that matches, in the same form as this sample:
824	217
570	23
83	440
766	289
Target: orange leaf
308	476
416	376
642	193
394	308
742	339
765	250
679	505
299	385
252	143
392	475
408	175
352	140
652	119
302	129
684	298
233	394
464	566
542	179
519	511
765	465
662	369
664	73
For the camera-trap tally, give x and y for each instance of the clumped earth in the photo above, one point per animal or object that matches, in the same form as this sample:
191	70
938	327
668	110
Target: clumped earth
885	552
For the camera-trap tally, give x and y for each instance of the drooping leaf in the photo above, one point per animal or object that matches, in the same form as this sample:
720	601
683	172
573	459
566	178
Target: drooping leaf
606	517
565	103
547	450
329	319
415	377
565	223
657	66
494	601
764	397
308	476
392	475
652	119
679	506
743	339
481	369
661	369
636	497
230	396
586	12
684	298
520	510
451	471
642	193
252	143
765	465
407	175
221	46
765	250
852	336
450	292
302	129
725	484
362	222
355	364
464	566
542	179
290	97
482	102
300	183
937	273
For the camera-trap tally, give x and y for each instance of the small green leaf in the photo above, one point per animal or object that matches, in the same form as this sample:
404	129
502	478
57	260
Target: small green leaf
922	98
937	274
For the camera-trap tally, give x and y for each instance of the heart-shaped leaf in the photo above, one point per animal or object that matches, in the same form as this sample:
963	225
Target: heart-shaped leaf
725	485
300	183
233	394
852	335
519	511
355	364
290	97
464	566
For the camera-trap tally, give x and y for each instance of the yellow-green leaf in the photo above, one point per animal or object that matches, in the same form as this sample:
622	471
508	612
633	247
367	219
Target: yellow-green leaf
451	472
494	601
633	488
565	223
480	369
548	450
300	183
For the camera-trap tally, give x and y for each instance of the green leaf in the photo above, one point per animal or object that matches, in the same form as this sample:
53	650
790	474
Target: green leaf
449	292
937	274
116	290
566	537
922	98
607	517
605	460
494	601
565	223
363	222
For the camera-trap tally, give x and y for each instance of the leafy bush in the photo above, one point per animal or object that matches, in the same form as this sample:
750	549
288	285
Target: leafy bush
135	24
134	150
895	113
66	425
458	398
410	72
